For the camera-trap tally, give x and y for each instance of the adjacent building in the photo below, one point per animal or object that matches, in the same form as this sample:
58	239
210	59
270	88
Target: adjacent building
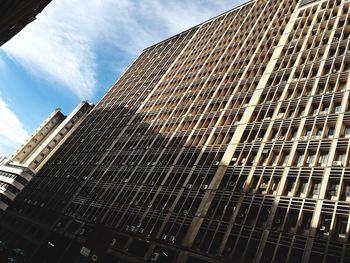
3	159
13	178
19	170
16	14
228	142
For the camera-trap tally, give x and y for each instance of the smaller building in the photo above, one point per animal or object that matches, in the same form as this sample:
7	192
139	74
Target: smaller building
17	171
2	160
13	179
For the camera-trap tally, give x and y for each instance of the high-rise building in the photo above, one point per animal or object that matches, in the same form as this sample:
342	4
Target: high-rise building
16	14
228	142
16	172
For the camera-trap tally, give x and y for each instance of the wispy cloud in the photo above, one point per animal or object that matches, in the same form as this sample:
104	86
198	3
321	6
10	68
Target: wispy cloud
12	132
2	63
62	45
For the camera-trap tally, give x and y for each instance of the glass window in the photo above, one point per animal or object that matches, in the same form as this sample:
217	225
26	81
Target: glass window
347	191
274	135
275	159
303	187
330	132
300	159
347	131
306	220
325	224
275	185
323	158
334	189
291	185
265	159
263	186
325	108
340	157
342	224
319	132
308	133
317	188
311	158
285	160
337	108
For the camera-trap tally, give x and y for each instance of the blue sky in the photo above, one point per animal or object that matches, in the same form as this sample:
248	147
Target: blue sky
76	50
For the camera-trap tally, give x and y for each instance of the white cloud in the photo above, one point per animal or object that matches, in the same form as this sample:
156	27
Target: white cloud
62	45
12	132
2	63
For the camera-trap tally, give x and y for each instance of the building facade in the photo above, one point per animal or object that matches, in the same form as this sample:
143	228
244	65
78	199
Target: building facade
16	14
3	159
19	170
228	142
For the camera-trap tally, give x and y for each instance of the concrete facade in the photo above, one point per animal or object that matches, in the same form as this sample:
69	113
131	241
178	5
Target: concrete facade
226	143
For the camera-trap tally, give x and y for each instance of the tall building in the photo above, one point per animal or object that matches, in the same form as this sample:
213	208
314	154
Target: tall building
16	14
228	142
16	172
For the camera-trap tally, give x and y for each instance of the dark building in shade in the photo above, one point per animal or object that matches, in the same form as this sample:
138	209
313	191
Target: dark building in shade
228	142
17	171
16	14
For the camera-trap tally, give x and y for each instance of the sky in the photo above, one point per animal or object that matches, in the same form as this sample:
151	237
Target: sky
76	50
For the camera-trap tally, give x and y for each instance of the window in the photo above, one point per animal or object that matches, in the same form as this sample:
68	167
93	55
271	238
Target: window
340	157
303	187
291	185
298	93
347	191
264	159
337	108
325	109
333	191
263	186
341	226
300	159
285	159
306	220
330	132
275	159
274	135
295	132
319	133
290	114
323	159
347	132
308	133
275	185
325	224
317	188
292	219
311	158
